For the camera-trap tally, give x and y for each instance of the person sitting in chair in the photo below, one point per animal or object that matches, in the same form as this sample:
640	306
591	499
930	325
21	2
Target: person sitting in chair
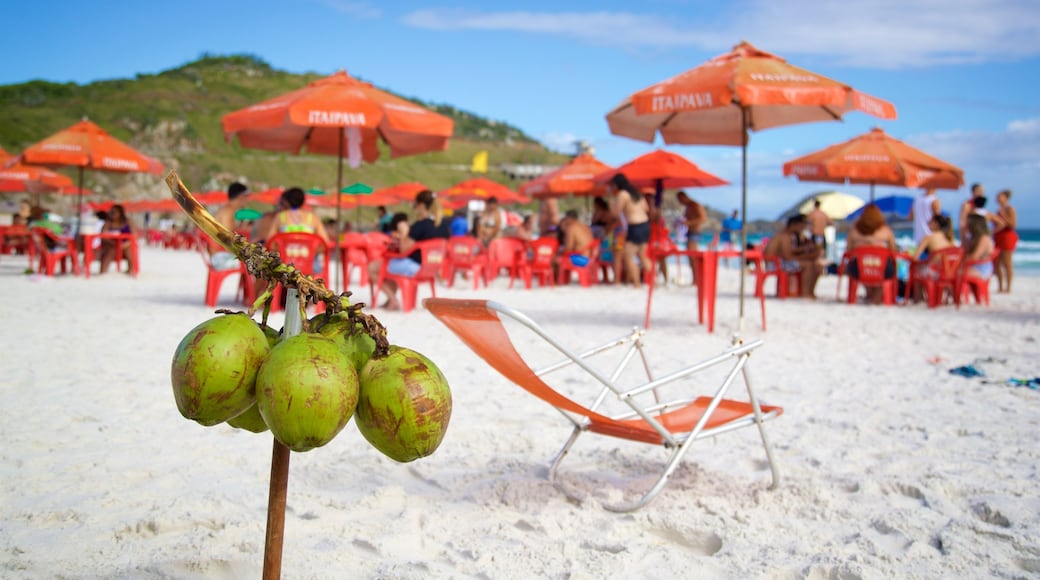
797	254
428	225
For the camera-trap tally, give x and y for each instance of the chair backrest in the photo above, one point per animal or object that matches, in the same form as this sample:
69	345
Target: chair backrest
542	252
433	254
505	252
462	250
45	240
871	263
660	241
946	263
378	242
298	249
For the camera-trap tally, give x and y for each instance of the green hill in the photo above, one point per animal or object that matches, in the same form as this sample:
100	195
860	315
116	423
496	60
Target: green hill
175	116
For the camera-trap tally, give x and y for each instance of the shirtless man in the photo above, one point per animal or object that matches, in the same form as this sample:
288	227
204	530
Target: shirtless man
967	208
818	222
576	234
238	195
797	255
629	203
694	217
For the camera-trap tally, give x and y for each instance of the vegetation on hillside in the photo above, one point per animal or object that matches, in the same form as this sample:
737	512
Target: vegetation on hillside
175	116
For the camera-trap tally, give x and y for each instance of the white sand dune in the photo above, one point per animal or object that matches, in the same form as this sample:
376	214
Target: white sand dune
891	466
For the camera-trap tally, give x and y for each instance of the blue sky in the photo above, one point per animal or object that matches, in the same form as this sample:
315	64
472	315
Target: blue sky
957	70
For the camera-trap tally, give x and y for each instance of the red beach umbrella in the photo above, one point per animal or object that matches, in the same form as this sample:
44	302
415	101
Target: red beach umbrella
662	169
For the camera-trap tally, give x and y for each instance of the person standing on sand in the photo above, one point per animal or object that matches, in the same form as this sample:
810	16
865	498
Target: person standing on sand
694	218
630	204
921	212
818	222
1005	238
967	208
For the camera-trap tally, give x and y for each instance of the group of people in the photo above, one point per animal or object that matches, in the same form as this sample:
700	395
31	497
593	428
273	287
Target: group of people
988	239
112	220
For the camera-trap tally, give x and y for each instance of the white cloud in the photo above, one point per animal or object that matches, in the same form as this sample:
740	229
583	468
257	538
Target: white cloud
889	34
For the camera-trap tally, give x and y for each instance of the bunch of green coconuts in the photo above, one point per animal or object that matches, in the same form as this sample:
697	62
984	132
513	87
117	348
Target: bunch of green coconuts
305	388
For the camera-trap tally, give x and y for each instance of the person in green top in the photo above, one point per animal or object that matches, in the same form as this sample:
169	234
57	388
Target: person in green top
41	218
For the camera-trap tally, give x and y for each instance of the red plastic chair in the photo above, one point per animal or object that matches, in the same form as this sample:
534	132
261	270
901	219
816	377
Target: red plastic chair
941	279
870	264
543	251
974	287
464	255
54	251
16	240
587	270
505	254
245	293
662	247
353	255
433	253
300	249
770	267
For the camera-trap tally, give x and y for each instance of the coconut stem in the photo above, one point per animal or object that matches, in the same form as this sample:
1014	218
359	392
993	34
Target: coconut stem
268	266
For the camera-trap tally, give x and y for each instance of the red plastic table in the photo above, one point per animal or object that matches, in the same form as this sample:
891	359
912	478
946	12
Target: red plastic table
88	250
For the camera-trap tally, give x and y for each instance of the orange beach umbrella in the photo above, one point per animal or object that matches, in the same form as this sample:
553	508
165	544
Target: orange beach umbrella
400	193
85	145
481	188
718	102
576	177
876	158
342	116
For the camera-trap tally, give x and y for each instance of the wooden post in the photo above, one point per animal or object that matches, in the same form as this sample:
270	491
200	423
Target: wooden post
280	467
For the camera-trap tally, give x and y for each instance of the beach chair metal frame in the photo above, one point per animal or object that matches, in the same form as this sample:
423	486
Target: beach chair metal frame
674	424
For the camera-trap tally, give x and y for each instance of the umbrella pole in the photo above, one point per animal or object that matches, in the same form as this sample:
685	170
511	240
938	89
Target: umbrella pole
339	196
279	469
79	210
743	218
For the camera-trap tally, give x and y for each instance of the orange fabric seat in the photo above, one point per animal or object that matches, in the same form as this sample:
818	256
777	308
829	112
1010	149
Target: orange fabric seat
675	425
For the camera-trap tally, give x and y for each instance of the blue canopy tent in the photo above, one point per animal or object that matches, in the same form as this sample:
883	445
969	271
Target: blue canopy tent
893	206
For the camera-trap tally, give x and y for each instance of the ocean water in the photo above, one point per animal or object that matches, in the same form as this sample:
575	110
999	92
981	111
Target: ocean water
1026	258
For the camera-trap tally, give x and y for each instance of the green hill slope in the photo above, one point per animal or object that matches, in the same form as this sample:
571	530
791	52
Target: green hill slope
175	117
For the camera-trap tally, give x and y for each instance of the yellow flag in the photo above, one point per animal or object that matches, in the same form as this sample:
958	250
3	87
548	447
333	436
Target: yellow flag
480	162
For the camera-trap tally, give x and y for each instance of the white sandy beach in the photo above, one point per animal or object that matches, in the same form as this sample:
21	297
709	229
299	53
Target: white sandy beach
891	466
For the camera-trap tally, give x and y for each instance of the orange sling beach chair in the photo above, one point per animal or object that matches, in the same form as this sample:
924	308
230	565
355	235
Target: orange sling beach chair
642	415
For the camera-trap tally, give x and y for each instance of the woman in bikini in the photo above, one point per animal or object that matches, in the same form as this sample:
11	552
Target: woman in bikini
1005	238
630	204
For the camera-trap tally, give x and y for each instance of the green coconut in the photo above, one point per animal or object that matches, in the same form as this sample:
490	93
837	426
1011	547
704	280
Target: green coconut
306	391
351	338
405	404
250	420
215	366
